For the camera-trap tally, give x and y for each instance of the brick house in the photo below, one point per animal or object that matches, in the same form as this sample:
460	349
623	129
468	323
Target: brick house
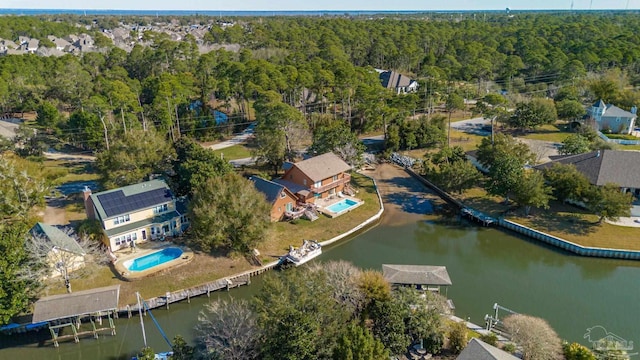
280	198
316	178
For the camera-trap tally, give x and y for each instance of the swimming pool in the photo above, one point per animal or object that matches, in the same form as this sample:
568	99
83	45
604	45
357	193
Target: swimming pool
342	205
154	259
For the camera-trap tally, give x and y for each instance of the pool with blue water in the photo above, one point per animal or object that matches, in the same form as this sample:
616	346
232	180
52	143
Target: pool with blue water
154	259
342	205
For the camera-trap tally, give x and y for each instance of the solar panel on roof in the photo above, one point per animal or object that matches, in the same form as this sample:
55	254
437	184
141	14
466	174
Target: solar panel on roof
116	203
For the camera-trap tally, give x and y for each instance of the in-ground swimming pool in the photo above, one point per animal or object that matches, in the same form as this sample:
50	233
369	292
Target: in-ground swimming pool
342	205
154	259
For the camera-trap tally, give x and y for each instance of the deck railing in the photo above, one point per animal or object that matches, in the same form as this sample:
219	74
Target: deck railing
345	179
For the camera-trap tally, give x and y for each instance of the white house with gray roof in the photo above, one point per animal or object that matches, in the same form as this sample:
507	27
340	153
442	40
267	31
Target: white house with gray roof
59	247
134	213
608	117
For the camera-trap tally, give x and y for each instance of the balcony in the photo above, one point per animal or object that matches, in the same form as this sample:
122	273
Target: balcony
345	179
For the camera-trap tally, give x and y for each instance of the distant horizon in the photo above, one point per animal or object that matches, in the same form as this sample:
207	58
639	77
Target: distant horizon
324	6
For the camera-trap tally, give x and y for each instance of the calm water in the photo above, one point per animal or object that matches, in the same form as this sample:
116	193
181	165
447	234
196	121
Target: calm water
485	265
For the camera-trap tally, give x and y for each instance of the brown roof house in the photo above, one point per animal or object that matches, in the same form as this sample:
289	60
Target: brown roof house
608	117
317	177
280	198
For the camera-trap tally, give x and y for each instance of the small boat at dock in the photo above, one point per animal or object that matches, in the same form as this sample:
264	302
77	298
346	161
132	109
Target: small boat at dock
297	256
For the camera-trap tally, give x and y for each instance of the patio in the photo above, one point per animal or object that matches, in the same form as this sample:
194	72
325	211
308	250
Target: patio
324	205
147	248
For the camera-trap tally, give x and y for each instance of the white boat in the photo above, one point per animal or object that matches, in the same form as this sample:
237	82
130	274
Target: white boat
309	250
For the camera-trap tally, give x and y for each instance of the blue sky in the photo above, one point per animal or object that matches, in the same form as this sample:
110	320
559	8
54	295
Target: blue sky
320	5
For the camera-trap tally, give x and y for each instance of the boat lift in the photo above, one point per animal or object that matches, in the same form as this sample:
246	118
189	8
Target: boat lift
492	321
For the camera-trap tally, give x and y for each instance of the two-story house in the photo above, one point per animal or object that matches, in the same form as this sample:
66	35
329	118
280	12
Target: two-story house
399	83
612	118
317	177
137	213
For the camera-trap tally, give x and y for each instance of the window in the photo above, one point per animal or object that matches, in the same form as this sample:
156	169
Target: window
121	219
617	119
304	182
335	177
282	195
160	208
318	184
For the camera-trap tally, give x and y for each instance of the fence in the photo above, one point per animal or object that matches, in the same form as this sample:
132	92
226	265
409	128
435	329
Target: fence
618	141
569	246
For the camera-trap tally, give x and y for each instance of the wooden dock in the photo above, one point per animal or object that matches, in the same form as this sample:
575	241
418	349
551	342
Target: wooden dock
207	288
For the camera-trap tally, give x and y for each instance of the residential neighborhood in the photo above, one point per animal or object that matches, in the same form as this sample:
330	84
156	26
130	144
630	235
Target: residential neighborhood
284	185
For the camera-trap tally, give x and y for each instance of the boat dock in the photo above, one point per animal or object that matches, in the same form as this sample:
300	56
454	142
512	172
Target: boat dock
477	216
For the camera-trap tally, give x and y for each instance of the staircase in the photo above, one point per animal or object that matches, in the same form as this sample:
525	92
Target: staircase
311	214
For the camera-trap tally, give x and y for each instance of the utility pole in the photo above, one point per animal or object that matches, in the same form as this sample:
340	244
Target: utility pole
104	125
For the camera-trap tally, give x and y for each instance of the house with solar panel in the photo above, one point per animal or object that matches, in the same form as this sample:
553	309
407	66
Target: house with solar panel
135	213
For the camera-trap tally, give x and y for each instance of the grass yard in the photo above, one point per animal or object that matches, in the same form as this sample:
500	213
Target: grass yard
556	133
69	171
621	136
234	152
292	233
209	267
564	221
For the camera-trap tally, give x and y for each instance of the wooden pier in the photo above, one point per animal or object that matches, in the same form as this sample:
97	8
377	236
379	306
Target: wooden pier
207	288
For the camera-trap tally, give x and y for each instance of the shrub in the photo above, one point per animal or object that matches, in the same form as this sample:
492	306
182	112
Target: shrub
490	338
458	337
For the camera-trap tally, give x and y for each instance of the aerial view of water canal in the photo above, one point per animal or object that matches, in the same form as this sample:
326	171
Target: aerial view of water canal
486	266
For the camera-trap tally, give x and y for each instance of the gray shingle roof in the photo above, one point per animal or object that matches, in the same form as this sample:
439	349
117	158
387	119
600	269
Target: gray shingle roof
75	304
322	166
416	274
615	112
392	80
270	189
605	166
57	237
132	198
478	350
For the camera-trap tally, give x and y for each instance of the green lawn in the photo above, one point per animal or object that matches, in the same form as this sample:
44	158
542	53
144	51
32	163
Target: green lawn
234	152
556	133
621	136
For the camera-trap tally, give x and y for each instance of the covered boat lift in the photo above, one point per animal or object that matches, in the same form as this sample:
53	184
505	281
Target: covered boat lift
421	276
67	310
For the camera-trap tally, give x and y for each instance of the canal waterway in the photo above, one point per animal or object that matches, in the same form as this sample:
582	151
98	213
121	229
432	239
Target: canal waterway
486	266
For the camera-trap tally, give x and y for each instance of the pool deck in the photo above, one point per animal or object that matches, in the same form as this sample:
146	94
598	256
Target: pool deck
148	248
324	204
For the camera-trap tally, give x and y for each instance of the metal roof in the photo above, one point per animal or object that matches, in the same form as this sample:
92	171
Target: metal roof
76	304
416	274
57	238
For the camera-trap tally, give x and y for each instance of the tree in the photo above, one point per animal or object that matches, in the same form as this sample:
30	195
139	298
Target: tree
389	326
48	259
374	287
342	279
181	350
609	202
228	330
570	109
357	343
458	336
575	144
529	115
133	157
505	159
567	182
48	115
531	190
146	353
298	316
422	316
15	291
194	165
454	102
458	176
575	351
281	131
336	137
534	335
228	212
86	130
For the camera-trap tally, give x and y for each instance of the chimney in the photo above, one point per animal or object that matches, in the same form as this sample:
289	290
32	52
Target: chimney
88	203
